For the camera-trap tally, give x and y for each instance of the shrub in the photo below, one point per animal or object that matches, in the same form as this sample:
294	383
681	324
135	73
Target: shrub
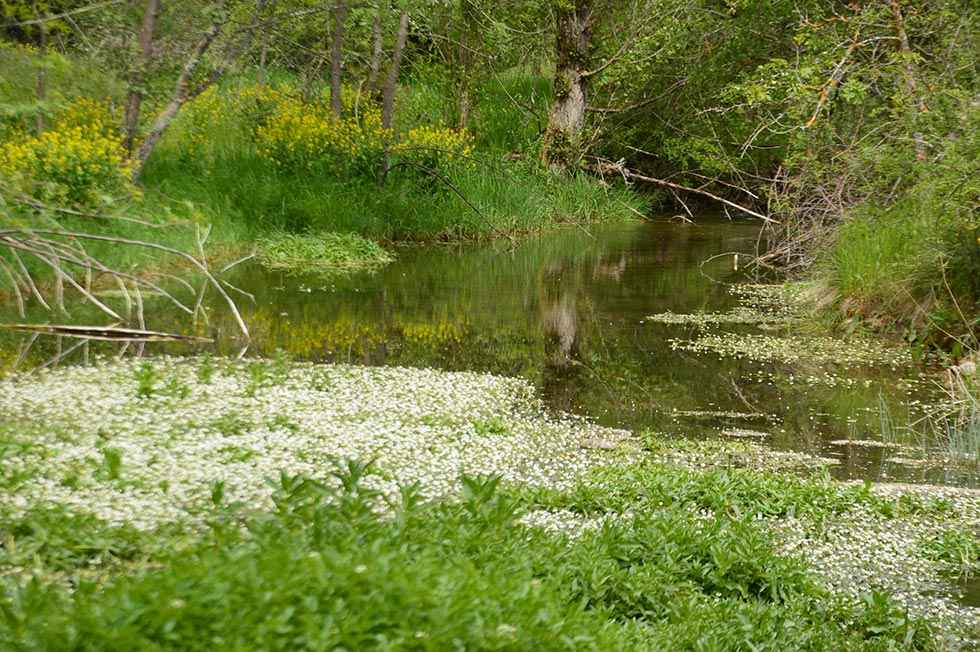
302	135
78	161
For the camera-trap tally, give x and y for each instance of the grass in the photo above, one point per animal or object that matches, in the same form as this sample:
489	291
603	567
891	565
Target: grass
910	263
459	574
320	252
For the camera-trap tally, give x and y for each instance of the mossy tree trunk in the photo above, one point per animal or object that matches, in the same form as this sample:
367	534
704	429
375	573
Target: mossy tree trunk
562	138
138	75
336	57
377	45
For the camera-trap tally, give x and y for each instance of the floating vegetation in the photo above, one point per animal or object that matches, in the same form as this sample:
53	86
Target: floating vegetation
796	349
742	433
141	443
865	443
320	252
722	414
758	305
704	319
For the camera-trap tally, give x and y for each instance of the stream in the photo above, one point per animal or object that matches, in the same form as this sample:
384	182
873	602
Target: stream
569	311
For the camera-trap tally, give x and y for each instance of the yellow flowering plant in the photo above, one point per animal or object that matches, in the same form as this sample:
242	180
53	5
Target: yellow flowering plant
302	135
433	147
76	162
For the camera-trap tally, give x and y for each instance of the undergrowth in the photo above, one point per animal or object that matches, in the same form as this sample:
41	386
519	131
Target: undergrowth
323	570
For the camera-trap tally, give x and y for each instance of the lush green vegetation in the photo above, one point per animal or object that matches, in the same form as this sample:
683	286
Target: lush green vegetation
316	137
325	251
433	576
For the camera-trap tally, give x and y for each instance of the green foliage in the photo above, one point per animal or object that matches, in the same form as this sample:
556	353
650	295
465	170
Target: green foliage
320	252
914	262
958	550
457	574
146	380
740	493
54	541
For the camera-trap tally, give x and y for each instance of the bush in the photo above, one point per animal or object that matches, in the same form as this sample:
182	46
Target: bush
76	162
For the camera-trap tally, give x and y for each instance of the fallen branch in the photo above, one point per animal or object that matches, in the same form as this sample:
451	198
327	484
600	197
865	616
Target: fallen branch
605	166
104	333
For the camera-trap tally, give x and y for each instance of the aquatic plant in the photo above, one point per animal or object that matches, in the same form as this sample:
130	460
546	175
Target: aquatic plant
320	252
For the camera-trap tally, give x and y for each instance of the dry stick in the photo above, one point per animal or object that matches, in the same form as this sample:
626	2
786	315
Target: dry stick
68	256
236	263
30	281
59	293
56	266
125	294
53	17
16	287
831	84
25	348
60	355
33	203
240	291
159	247
88	262
619	167
139	308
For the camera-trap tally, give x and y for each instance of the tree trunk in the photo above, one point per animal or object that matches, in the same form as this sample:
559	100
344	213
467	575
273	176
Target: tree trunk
41	82
182	91
391	82
263	58
336	57
566	120
180	95
466	44
138	76
909	72
374	67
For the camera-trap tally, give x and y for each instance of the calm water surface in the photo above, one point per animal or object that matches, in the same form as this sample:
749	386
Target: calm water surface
568	311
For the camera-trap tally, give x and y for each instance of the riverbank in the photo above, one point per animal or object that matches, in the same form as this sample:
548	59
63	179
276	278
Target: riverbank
146	510
252	164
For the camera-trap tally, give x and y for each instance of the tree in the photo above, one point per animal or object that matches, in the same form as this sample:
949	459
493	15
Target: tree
183	91
138	76
336	56
391	81
573	50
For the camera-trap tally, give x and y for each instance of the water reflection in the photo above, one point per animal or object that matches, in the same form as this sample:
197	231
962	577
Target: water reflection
567	311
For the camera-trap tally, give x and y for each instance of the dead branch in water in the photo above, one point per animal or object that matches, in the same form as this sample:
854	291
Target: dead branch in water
73	267
104	333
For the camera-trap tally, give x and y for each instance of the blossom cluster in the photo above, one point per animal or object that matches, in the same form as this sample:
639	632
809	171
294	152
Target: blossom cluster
302	135
434	146
76	161
298	132
142	442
